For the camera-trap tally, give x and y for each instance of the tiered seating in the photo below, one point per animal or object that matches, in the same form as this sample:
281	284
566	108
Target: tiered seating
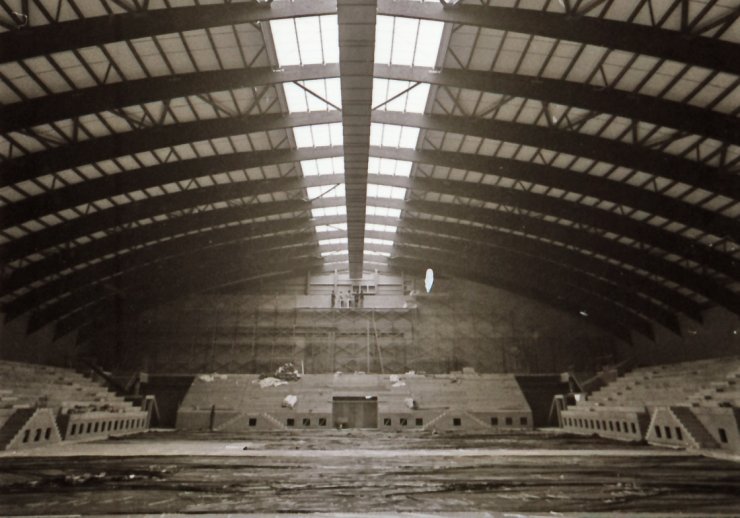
643	405
80	408
463	401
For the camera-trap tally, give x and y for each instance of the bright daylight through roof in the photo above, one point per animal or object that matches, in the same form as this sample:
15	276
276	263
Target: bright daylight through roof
398	41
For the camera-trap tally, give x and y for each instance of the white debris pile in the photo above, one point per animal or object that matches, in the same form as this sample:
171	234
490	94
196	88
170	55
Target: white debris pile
290	401
207	378
270	382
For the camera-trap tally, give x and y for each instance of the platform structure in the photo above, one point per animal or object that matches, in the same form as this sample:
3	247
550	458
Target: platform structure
42	405
693	405
409	402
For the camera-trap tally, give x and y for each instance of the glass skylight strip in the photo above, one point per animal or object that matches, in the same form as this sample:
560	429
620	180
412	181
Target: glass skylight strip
386	191
339	210
318	135
309	98
333	241
326	191
380	228
326	253
332	228
390	135
386	95
306	40
376	253
374	241
323	166
407	41
372	210
389	167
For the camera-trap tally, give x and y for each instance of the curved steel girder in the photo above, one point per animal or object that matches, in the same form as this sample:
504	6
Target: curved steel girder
571	181
104	314
136	276
149	139
582	214
586	241
182	170
630	37
547	270
661	112
131	238
118	263
117	216
57	37
121	215
624	282
109	147
546	276
520	285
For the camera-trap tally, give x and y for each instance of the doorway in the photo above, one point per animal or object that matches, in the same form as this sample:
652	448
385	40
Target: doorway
355	411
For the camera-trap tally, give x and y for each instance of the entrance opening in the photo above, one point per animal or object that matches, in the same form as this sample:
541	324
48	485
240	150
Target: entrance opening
355	411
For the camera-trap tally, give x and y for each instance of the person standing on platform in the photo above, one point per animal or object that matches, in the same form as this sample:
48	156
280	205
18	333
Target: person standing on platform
341	300
333	298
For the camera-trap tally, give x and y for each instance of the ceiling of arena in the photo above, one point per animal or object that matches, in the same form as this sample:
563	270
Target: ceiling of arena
584	153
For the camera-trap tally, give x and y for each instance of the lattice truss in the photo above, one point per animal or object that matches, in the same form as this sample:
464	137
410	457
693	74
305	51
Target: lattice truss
580	152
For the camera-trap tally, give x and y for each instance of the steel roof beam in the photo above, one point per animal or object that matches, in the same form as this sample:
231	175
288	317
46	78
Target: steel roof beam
585	241
108	147
129	181
106	312
519	285
547	270
112	266
96	99
628	281
578	144
99	30
575	182
356	19
631	37
586	215
95	222
149	139
150	277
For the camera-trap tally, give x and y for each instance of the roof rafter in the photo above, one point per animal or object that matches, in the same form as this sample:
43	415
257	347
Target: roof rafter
668	44
662	112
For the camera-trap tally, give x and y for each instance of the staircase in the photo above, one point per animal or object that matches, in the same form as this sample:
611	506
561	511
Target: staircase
433	421
274	421
14	425
693	428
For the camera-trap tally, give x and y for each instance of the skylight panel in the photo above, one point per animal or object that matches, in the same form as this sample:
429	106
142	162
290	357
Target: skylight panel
385	191
407	41
339	210
306	40
333	241
326	253
389	167
326	191
332	228
372	210
318	135
374	241
323	166
314	95
390	135
399	95
376	253
380	228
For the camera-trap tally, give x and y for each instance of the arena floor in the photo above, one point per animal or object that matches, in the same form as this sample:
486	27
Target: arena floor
352	471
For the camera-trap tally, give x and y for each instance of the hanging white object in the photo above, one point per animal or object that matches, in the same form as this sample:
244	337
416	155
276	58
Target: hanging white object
429	280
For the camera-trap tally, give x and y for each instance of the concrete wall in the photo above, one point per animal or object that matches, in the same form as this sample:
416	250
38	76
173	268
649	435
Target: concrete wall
38	347
718	335
459	324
